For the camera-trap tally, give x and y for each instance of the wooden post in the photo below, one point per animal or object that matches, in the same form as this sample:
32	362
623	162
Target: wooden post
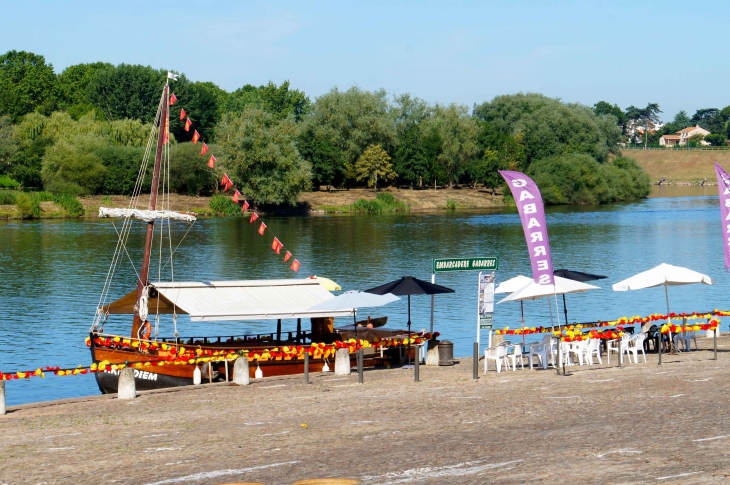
306	367
342	362
475	367
126	387
417	366
3	409
241	374
360	365
278	332
299	330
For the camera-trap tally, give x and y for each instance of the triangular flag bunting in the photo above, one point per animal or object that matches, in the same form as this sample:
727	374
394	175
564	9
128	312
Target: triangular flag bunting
183	114
287	256
173	99
204	150
165	134
226	182
245	206
262	228
188	124
254	216
211	162
196	136
277	246
235	196
295	265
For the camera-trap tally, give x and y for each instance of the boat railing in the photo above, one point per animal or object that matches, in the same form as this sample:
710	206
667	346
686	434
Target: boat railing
270	337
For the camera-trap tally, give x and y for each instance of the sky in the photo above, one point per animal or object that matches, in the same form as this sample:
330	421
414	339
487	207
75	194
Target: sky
628	53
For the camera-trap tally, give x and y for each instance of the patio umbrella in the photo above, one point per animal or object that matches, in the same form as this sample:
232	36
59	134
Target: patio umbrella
663	275
354	300
409	285
575	276
512	285
327	283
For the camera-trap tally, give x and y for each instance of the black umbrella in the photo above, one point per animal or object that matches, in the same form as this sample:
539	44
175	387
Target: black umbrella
575	276
409	285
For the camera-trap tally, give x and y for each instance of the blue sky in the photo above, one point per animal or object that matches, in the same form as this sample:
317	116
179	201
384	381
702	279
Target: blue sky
461	52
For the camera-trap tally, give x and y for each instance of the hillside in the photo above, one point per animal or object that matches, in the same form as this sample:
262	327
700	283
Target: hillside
690	166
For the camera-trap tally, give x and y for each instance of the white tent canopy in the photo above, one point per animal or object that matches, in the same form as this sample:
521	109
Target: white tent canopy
513	284
355	299
235	300
533	291
664	274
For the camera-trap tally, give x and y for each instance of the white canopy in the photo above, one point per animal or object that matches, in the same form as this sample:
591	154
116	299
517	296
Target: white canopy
533	291
355	299
247	300
513	284
145	215
664	274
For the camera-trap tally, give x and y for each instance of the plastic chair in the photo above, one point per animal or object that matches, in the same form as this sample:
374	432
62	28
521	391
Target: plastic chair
636	344
541	351
498	354
580	349
685	338
621	345
517	354
593	348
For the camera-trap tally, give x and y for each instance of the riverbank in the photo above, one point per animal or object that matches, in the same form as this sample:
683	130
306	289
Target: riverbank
639	424
680	166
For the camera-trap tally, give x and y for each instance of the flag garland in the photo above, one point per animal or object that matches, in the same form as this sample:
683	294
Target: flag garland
227	184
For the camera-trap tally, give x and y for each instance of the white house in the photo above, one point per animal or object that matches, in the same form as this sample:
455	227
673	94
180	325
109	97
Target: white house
682	136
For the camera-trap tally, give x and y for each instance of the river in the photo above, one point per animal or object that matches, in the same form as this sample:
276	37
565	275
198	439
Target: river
52	271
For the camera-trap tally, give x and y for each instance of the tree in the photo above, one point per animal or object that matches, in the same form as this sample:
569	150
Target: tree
201	103
350	121
716	140
710	119
374	164
647	117
72	167
188	173
262	156
410	158
603	108
499	151
71	87
8	145
277	100
26	84
127	91
457	131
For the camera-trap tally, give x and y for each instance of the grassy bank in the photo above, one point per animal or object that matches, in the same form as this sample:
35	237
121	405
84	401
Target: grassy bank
680	166
38	205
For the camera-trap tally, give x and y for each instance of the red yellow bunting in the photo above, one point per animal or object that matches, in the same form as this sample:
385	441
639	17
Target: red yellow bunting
226	182
196	136
173	99
287	256
235	196
244	207
188	124
262	228
211	162
183	114
204	150
254	216
295	265
276	245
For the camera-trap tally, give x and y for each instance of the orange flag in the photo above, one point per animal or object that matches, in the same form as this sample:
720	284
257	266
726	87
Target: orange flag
204	150
262	228
188	124
183	114
287	256
196	136
235	196
276	245
211	162
244	208
173	99
166	134
226	182
295	265
254	216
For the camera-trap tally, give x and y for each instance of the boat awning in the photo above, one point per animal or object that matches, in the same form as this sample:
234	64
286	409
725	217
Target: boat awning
234	300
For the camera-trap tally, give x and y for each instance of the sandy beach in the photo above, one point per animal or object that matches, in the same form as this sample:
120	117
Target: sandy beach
643	423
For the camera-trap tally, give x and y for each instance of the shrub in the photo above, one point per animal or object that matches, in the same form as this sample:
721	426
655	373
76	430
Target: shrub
224	205
28	206
8	183
451	205
7	197
70	204
384	202
189	174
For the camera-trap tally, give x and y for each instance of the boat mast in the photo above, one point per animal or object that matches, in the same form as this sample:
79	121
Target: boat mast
145	270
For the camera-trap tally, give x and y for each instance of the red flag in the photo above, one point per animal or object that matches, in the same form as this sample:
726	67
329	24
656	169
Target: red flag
254	216
262	228
188	124
211	162
183	114
276	245
166	134
204	150
295	265
235	196
287	256
196	136
226	182
173	99
245	206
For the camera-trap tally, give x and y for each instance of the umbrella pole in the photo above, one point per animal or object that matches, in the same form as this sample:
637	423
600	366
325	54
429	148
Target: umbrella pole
565	310
522	311
669	319
409	329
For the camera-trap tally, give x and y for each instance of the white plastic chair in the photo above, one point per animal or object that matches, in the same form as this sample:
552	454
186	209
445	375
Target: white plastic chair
685	338
515	355
593	348
616	346
636	344
541	350
579	349
498	354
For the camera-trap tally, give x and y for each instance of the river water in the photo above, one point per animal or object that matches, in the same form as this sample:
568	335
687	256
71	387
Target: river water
52	271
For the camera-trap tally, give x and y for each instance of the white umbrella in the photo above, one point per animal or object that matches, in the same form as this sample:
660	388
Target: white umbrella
353	300
512	285
663	275
533	291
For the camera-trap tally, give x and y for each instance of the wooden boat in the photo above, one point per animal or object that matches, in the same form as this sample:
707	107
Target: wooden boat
207	301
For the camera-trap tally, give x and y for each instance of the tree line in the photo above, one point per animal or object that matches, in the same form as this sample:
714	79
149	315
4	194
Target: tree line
83	131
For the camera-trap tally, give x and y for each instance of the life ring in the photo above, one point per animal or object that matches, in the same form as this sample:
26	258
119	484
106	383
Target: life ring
146	330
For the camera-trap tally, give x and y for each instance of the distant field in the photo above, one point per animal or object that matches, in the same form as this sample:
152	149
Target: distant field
680	166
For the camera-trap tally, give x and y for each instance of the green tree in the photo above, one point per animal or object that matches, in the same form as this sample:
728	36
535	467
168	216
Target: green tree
457	130
189	173
711	119
72	167
350	121
262	156
201	104
410	158
373	165
716	140
127	91
71	86
499	151
281	101
122	163
26	84
8	145
603	108
649	118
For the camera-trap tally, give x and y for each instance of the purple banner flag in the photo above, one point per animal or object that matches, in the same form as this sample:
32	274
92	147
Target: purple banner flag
532	213
723	187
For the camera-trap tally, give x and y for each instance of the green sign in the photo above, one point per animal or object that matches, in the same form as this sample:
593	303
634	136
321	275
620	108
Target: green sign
485	322
465	264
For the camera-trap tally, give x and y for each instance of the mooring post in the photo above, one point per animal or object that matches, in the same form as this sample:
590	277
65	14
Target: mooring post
226	369
620	353
417	367
714	338
360	365
475	367
660	339
241	374
3	410
342	362
306	367
126	387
